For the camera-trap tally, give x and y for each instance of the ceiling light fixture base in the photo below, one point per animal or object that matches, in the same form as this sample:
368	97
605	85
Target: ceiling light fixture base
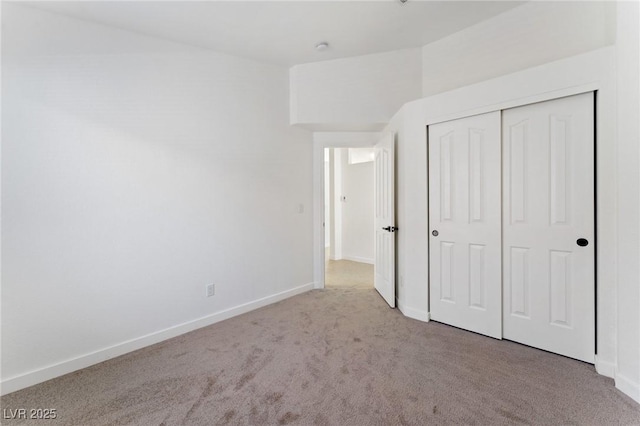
323	45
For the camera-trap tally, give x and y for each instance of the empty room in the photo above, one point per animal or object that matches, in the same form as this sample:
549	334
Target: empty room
392	212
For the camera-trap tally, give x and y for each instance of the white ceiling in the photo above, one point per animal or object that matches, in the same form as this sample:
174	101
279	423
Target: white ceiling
285	32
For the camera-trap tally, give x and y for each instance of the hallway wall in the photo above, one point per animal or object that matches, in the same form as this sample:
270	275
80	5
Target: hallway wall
358	237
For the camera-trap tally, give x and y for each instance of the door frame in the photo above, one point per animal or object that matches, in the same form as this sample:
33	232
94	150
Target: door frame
322	140
590	72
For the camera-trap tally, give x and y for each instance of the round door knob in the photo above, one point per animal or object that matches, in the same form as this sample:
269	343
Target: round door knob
582	242
434	233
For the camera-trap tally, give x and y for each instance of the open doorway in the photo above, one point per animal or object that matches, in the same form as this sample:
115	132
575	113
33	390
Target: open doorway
349	232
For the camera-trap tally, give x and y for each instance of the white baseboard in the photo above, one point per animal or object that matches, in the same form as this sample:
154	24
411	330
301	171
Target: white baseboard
624	384
34	377
628	386
359	259
605	368
416	314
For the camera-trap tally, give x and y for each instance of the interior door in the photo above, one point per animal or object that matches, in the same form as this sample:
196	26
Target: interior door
464	221
385	255
548	233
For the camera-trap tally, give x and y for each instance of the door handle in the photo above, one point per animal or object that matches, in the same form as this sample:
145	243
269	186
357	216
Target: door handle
435	233
390	228
582	242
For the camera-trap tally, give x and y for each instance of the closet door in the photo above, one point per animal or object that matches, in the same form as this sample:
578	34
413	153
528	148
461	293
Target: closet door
464	219
548	232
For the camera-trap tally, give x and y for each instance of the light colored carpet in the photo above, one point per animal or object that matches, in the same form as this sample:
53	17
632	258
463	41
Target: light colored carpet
332	357
346	273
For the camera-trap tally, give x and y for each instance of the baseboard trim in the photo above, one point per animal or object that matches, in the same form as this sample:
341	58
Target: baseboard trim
628	386
34	377
416	314
359	259
605	368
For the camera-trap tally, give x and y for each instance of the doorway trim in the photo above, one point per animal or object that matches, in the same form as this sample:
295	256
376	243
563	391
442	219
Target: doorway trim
322	140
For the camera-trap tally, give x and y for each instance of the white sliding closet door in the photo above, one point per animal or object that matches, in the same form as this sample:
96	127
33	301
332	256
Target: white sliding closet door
548	231
464	220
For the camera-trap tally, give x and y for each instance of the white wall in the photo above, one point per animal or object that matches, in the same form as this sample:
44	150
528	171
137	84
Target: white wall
357	210
355	94
412	254
628	208
350	234
528	35
134	172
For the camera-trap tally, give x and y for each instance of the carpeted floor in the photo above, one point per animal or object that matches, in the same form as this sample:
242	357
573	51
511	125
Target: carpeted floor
346	273
332	357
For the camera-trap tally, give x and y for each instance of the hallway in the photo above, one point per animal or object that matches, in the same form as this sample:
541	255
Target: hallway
348	274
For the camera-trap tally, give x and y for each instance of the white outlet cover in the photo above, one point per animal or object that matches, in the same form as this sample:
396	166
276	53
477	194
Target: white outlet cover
210	290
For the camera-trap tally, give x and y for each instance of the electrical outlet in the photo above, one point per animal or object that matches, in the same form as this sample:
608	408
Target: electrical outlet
211	290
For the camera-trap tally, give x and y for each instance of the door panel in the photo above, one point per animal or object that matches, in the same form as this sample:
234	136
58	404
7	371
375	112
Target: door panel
385	255
464	211
548	198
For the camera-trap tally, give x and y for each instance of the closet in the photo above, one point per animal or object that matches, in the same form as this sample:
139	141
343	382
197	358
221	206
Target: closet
512	224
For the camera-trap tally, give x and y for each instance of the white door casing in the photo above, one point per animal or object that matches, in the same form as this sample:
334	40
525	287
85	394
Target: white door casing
548	204
464	221
385	242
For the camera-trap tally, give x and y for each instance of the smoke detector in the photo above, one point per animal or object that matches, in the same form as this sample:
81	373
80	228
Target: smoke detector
323	45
